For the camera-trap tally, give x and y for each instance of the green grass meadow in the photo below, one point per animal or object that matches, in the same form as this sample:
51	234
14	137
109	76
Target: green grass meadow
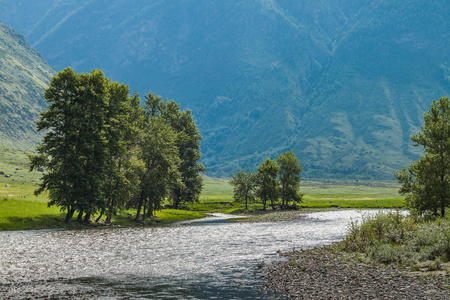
352	195
218	195
20	209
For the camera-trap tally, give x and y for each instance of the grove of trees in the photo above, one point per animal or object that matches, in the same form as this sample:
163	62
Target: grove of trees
274	180
104	152
426	182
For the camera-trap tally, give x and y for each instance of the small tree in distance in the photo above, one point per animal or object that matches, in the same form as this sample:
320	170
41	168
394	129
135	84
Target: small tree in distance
244	186
289	177
267	182
274	179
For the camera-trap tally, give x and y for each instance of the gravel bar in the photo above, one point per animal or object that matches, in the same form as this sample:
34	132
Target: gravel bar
323	273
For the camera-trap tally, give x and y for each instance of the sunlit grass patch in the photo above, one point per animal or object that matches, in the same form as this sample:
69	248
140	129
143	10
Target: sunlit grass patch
172	215
352	202
22	214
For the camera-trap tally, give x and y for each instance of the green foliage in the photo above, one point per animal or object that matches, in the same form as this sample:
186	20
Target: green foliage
289	177
122	133
190	167
244	187
391	227
104	152
267	182
274	179
186	190
426	183
395	238
159	153
74	150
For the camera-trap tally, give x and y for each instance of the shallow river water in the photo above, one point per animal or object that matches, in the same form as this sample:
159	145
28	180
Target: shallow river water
209	258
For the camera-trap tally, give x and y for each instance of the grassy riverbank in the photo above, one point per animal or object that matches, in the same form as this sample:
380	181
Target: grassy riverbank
21	210
218	196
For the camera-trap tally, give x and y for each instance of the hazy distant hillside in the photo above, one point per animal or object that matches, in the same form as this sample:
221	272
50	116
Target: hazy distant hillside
389	61
23	77
342	83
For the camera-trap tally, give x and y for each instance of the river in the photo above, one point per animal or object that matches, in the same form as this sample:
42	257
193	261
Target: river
209	258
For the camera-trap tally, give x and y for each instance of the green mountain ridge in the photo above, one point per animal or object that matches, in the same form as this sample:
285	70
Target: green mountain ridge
342	83
23	77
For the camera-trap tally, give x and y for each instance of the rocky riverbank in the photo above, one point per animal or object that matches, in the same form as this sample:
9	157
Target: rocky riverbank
325	273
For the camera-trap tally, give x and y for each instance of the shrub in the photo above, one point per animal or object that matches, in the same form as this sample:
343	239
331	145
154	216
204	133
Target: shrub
391	227
395	238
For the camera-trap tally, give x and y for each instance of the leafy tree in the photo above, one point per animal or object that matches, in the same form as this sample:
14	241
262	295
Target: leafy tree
104	152
190	167
159	153
244	186
267	182
188	144
289	177
74	148
123	132
426	182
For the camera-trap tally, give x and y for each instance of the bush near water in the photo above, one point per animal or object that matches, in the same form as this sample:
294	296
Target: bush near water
394	237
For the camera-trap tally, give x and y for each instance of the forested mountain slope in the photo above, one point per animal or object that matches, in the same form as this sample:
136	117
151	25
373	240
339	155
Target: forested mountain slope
342	83
23	77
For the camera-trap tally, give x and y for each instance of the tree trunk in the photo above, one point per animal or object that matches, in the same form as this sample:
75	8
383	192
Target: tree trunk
150	208
87	218
138	209
69	215
108	217
80	216
138	212
100	216
145	208
111	207
176	200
